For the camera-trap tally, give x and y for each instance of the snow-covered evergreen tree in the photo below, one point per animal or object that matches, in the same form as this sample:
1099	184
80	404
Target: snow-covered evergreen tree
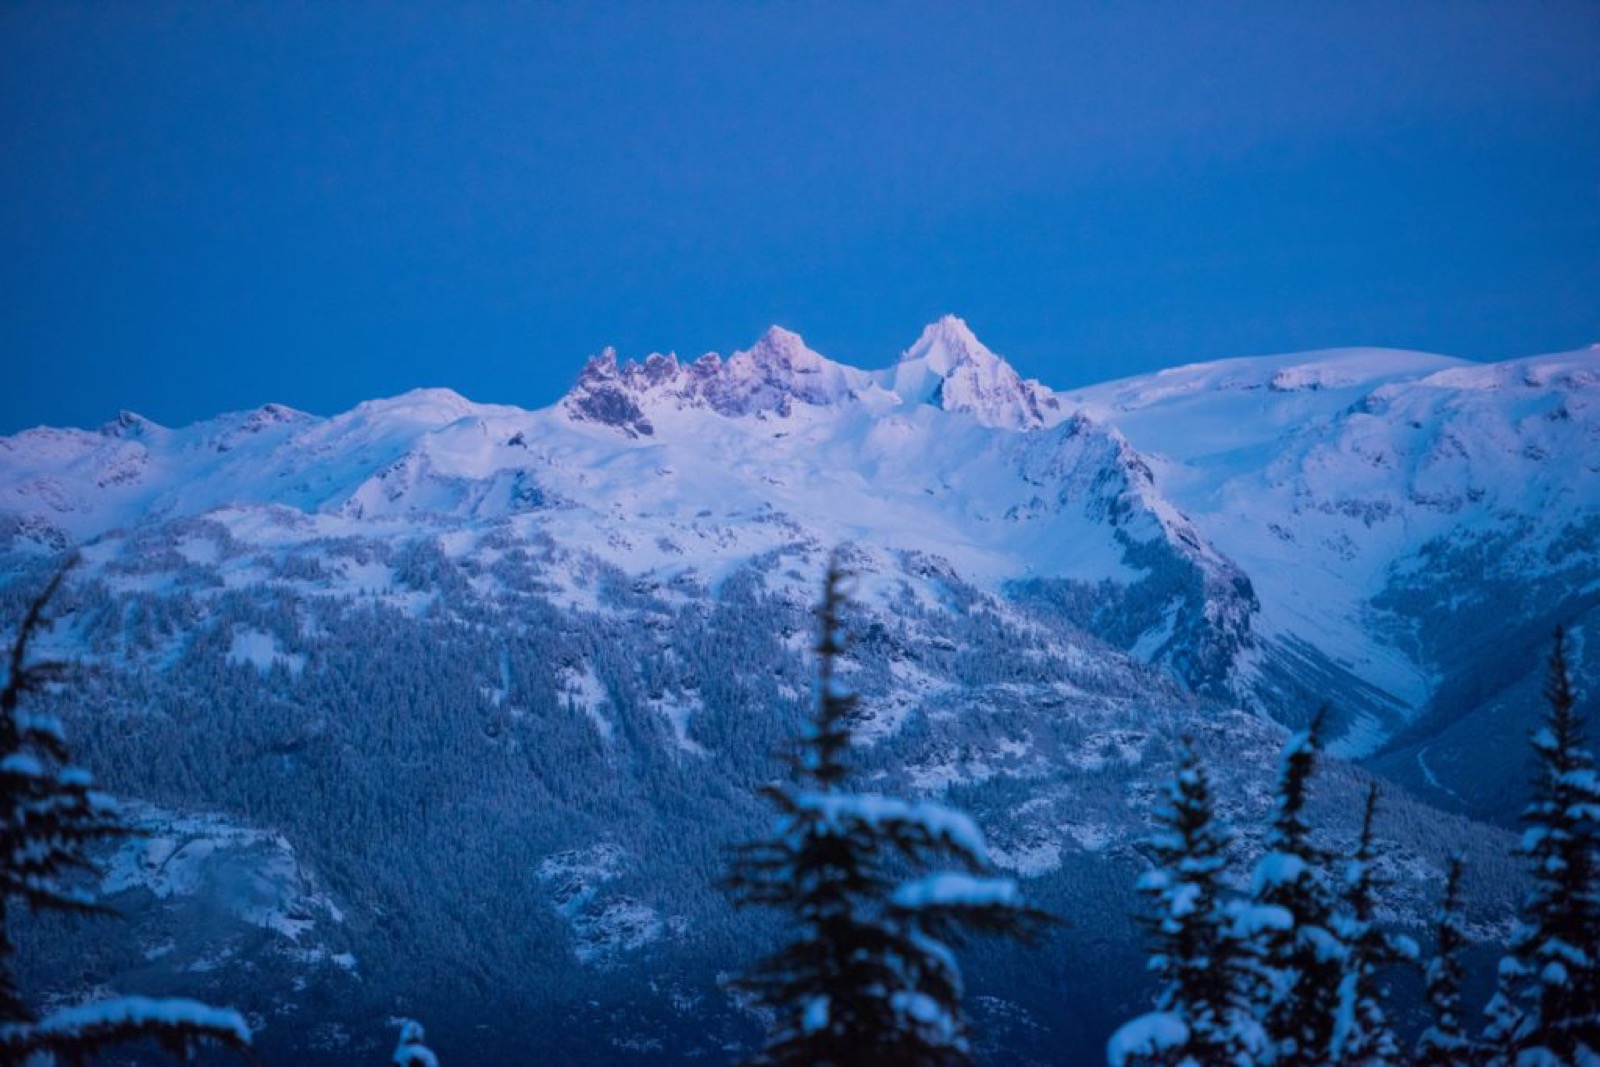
1506	1017
1296	993
49	816
1201	1014
1362	1034
1546	1010
871	978
1445	1042
412	1049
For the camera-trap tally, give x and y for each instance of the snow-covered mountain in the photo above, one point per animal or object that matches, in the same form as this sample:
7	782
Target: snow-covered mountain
568	641
1269	529
1422	521
950	368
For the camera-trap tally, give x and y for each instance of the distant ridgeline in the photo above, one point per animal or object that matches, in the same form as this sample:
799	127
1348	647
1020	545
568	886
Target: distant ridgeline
452	711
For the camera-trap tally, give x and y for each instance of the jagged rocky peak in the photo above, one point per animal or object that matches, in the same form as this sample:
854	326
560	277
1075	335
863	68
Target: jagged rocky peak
947	344
127	424
607	392
270	415
764	380
655	372
949	367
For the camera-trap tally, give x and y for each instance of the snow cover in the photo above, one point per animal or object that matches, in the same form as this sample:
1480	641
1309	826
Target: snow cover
260	650
410	1051
678	713
1146	1036
588	693
928	1015
141	1010
1028	860
815	1017
102	1016
837	809
604	925
952	889
1310	478
253	874
1248	920
1277	868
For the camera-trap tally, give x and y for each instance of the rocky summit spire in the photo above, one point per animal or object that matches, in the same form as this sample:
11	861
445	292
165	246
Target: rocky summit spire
950	368
947	343
608	394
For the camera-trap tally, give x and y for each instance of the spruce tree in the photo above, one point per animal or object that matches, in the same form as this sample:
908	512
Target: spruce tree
1445	1043
1547	1006
49	818
1505	1016
1295	995
1201	1013
870	979
1362	1034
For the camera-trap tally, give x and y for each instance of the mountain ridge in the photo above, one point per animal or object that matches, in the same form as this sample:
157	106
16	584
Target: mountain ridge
1292	487
1260	507
437	654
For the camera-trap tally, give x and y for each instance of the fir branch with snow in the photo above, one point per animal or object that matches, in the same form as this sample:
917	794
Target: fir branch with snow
1201	1012
1547	1004
872	976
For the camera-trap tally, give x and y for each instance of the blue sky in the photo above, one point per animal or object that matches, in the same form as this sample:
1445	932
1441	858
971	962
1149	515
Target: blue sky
207	207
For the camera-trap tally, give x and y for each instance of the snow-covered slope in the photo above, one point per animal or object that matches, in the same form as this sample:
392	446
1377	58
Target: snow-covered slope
1246	523
663	465
1339	481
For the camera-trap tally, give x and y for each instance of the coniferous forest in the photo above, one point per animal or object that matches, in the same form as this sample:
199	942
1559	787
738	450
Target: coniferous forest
1291	959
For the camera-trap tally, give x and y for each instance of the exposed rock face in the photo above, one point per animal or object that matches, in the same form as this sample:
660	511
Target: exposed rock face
607	394
766	379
